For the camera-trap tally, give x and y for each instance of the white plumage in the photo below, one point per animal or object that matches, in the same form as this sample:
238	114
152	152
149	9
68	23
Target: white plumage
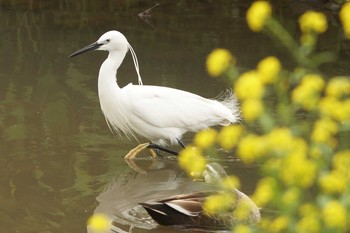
159	114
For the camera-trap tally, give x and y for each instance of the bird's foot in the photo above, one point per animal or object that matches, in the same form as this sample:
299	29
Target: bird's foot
154	153
134	152
154	150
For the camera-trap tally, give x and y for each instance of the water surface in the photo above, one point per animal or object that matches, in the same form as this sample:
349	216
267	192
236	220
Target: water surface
59	162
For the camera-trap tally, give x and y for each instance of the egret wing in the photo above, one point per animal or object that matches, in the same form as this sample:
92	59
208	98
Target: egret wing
168	107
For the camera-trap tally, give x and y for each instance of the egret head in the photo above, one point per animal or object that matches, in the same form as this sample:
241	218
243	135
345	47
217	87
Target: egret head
110	41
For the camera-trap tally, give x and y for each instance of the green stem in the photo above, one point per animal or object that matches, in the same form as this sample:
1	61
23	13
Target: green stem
288	41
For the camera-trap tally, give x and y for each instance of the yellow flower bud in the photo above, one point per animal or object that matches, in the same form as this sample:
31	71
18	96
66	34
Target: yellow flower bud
205	138
265	191
218	61
249	86
338	87
310	221
324	131
229	183
344	15
309	224
341	163
242	229
250	148
335	215
291	196
307	94
257	15
313	21
333	182
229	136
298	170
252	109
313	81
333	107
279	224
219	202
269	69
99	223
192	160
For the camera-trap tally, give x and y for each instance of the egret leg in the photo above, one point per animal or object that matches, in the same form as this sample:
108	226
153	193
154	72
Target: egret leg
182	144
158	147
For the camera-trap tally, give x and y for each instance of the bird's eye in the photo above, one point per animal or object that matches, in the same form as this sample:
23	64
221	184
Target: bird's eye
108	40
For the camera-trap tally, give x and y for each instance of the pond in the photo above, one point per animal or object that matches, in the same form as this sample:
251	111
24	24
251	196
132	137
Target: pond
59	161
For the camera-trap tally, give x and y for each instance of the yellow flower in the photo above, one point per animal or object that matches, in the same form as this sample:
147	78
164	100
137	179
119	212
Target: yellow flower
313	81
309	224
219	202
307	94
281	141
229	136
229	183
265	191
264	224
250	148
310	221
344	15
257	15
192	160
332	107
333	182
269	69
205	138
249	86
324	131
243	210
279	224
341	163
99	223
242	229
218	61
334	215
313	21
308	209
291	196
252	109
338	87
303	97
298	170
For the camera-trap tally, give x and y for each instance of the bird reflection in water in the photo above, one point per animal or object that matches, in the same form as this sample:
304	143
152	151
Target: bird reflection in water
120	201
186	210
163	181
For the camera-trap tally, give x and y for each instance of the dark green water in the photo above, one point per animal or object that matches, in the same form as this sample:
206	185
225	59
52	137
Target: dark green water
59	163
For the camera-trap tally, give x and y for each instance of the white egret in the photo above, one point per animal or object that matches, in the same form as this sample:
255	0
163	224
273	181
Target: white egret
159	114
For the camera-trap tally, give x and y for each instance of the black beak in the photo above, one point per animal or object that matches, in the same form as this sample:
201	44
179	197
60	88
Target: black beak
90	47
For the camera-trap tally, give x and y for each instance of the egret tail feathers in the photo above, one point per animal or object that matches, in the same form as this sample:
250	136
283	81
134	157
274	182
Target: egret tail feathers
229	100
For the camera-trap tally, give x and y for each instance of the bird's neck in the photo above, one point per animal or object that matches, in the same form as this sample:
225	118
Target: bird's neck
108	70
